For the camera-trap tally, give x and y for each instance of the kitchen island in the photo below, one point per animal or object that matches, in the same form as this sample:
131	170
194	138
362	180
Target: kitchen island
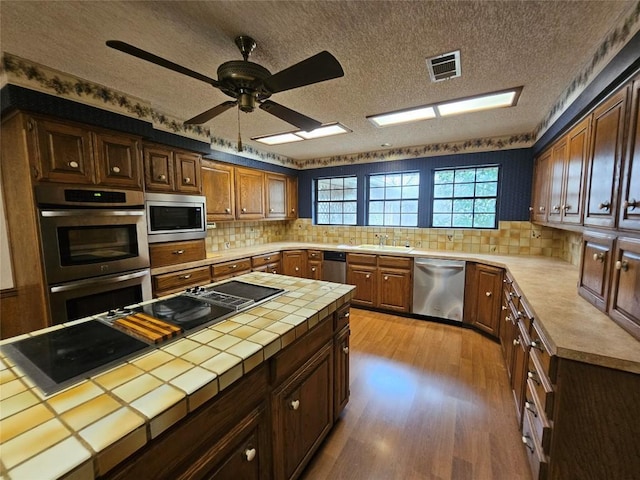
198	405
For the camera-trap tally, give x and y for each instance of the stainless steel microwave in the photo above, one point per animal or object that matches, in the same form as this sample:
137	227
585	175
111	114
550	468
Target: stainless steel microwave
172	217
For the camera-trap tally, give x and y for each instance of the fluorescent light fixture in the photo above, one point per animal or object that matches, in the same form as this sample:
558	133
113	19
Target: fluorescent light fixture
298	135
487	101
404	116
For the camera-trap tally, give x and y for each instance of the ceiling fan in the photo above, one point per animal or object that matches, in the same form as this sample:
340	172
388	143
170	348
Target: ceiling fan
250	84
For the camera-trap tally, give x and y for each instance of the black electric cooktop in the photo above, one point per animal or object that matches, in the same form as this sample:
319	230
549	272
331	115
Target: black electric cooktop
58	359
186	312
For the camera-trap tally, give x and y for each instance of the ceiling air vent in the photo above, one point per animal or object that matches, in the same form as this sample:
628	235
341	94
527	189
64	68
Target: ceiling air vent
444	67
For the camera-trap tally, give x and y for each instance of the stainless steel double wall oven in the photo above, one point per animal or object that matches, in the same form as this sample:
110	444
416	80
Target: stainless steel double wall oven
94	245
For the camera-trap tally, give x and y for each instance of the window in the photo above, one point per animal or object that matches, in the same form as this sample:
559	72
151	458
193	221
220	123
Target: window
336	200
393	199
465	197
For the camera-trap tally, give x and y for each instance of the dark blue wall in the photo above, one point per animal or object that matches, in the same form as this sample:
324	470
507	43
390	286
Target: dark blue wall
516	170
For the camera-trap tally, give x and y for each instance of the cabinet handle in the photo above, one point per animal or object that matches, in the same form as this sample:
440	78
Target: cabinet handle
312	254
516	342
541	209
162	177
30	125
556	208
368	275
115	169
508	318
503	308
533	376
233	266
186	277
386	277
313	269
250	454
187	180
599	257
525	440
604	205
178	252
531	407
566	208
244	210
268	258
227	210
345	350
632	204
622	265
488	294
73	164
274	271
346	315
295	404
537	345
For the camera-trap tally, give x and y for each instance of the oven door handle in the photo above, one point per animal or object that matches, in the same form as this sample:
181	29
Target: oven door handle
106	280
92	213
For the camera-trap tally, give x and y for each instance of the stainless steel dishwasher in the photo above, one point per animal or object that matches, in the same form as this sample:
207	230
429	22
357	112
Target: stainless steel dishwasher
438	288
334	267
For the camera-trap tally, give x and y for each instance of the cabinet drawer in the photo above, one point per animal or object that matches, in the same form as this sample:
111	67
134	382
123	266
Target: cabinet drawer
274	268
537	458
362	259
394	262
538	419
314	255
540	383
266	259
540	348
231	268
173	253
171	282
342	318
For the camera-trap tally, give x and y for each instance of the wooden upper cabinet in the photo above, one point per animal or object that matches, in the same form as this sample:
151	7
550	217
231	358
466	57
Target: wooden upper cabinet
64	152
249	194
630	192
595	268
577	154
218	188
292	197
556	182
188	178
158	169
540	193
117	160
604	161
276	195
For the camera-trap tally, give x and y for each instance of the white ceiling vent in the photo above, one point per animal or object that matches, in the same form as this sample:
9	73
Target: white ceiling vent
444	67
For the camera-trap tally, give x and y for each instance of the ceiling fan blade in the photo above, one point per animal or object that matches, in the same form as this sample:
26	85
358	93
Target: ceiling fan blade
150	57
322	66
290	116
211	113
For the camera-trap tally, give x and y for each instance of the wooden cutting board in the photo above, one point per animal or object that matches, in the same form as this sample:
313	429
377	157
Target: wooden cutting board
147	327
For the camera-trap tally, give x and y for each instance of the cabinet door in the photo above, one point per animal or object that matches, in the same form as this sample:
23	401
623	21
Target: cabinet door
488	281
217	187
607	129
117	160
314	270
365	281
556	185
303	414
188	172
520	363
249	194
597	251
294	263
630	197
65	152
276	198
158	169
395	289
540	194
341	371
577	154
625	295
292	197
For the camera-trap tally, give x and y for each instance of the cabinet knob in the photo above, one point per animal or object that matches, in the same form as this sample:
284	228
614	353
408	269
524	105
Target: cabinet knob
295	404
508	319
187	180
233	266
622	265
531	407
503	308
516	342
386	277
488	294
631	203
368	275
604	205
345	350
271	210
541	209
297	269
115	169
250	454
227	210
533	376
556	208
346	315
268	258
566	207
178	252
538	345
244	210
599	257
313	269
162	177
525	440
73	164
274	271
293	210
186	277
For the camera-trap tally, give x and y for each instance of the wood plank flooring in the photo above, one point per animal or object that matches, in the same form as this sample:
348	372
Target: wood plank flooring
428	401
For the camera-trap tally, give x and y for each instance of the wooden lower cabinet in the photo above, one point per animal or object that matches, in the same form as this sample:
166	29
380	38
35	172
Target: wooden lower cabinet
294	263
624	307
595	268
174	253
233	268
341	371
483	295
173	282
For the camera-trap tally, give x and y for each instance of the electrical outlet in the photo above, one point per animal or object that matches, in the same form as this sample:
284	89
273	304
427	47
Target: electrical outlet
211	226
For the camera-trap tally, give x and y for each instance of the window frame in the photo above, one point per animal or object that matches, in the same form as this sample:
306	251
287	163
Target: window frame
369	200
317	200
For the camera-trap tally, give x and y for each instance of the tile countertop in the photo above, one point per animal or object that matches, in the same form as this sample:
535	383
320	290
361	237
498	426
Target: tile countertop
84	431
575	329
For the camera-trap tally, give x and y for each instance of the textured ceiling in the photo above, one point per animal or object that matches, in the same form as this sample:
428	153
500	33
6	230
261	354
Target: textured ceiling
382	46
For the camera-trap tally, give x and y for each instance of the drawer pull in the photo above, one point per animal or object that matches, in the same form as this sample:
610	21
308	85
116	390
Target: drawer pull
503	308
233	266
250	454
531	407
514	295
508	318
295	404
186	277
73	164
622	265
178	252
488	294
346	315
525	440
227	210
632	204
516	342
538	345
162	177
187	180
115	169
345	350
599	257
274	271
244	210
268	258
605	205
533	376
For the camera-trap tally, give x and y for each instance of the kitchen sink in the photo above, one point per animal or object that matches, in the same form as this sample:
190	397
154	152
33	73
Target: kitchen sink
384	248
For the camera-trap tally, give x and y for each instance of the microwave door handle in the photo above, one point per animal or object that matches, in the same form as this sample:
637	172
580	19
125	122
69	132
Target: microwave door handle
92	213
99	280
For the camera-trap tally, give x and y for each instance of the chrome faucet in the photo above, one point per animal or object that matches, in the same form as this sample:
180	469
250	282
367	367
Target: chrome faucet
382	239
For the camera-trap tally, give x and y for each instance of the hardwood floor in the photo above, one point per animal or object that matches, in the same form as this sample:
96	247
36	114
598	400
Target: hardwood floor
428	401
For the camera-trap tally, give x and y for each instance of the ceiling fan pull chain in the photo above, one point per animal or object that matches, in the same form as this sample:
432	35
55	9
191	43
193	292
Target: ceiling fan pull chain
239	137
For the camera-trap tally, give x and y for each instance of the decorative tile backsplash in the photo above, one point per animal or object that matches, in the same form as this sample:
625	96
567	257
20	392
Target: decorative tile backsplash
512	238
